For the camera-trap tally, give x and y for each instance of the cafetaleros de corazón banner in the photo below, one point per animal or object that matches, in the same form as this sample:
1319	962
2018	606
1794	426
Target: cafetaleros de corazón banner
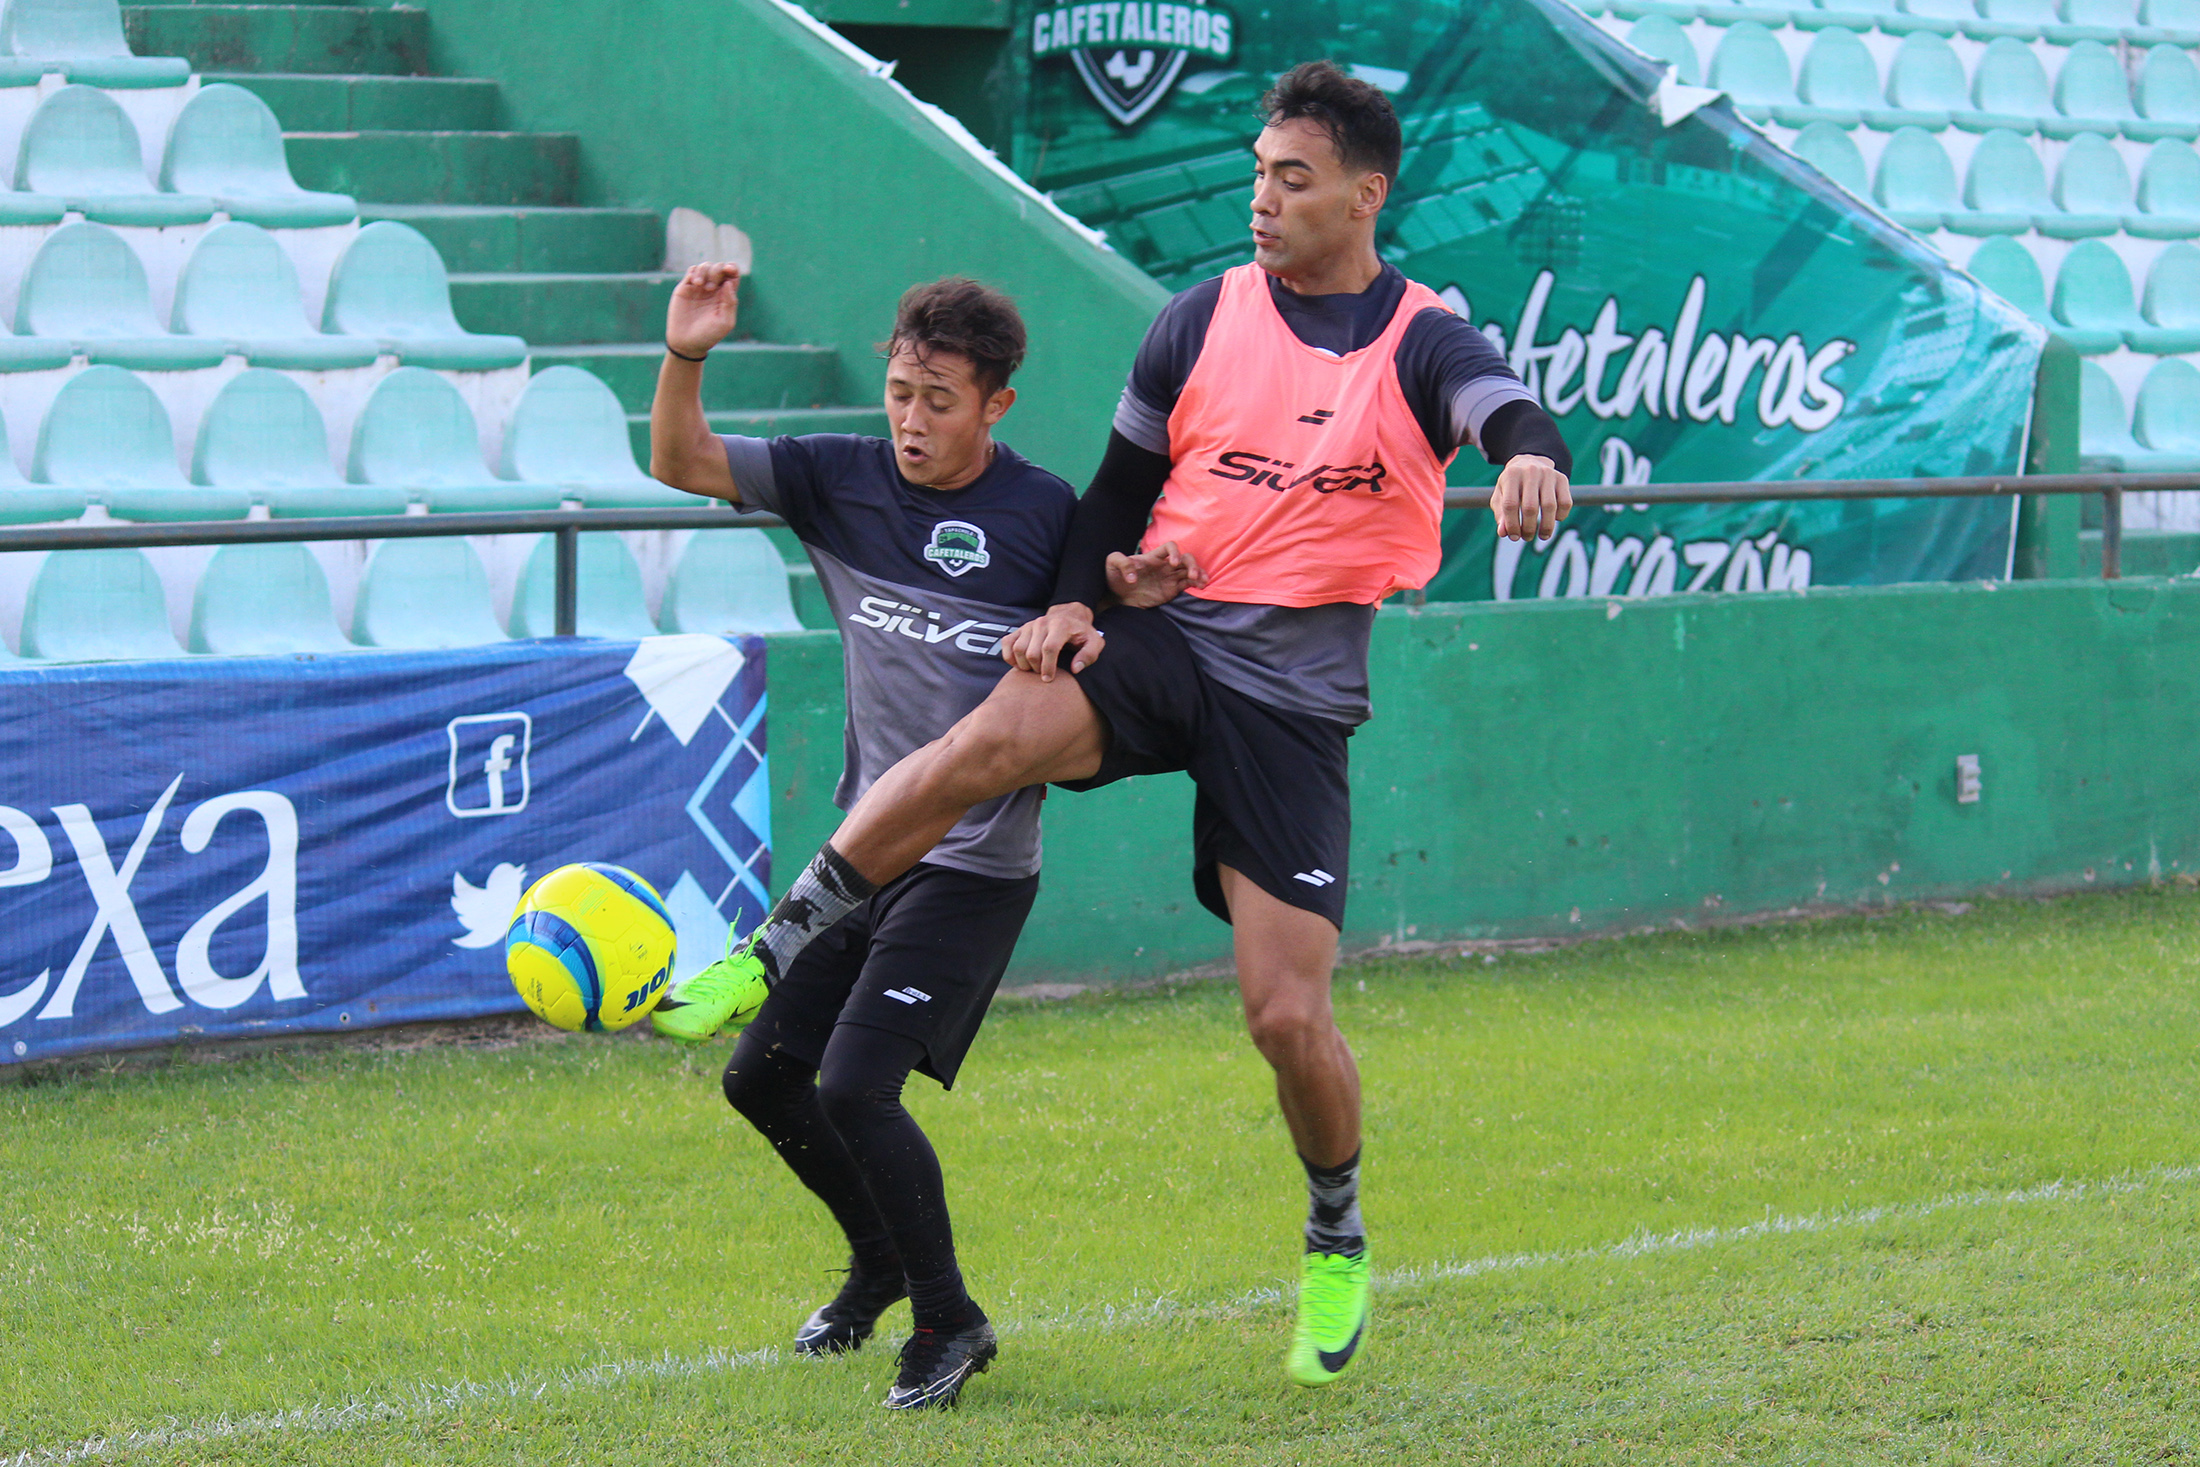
1690	301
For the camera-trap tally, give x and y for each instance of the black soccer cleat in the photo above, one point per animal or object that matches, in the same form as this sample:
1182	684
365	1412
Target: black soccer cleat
849	1320
935	1363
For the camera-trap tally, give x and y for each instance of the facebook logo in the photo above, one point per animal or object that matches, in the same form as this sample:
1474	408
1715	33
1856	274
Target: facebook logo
489	764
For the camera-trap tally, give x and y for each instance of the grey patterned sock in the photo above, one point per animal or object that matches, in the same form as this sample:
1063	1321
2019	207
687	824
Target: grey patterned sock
827	890
1333	1207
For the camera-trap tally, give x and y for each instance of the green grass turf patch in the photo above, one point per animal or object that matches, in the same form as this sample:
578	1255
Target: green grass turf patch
573	1251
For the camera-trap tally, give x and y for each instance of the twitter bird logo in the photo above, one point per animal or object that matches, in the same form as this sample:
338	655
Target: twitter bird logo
486	911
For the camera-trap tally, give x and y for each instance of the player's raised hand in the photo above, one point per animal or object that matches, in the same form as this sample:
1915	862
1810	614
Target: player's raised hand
1037	646
1153	577
1531	497
704	306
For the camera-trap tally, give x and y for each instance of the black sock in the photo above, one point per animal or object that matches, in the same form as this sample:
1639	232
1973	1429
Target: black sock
1333	1207
943	1303
875	1257
827	890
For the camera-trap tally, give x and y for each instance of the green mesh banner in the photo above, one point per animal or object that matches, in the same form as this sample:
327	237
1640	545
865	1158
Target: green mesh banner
1688	299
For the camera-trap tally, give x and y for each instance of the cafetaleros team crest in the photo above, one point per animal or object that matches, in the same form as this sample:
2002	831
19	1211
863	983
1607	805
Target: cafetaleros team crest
1130	52
958	546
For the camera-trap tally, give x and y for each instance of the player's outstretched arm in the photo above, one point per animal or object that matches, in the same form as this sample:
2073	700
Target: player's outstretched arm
1531	497
683	452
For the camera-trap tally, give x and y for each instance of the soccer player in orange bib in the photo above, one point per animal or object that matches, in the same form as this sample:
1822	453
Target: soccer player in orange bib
1287	425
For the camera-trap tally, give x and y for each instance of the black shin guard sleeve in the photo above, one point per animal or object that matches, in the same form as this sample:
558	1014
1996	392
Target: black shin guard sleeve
860	1087
777	1094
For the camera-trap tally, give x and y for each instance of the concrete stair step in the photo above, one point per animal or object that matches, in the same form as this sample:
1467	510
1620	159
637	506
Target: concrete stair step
391	40
477	238
305	102
564	308
742	375
439	167
771	422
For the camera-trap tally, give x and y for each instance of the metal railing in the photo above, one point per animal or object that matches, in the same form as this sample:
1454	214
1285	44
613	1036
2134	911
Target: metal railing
567	524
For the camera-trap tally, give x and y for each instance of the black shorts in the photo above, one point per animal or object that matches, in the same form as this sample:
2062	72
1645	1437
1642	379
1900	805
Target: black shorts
920	959
1275	799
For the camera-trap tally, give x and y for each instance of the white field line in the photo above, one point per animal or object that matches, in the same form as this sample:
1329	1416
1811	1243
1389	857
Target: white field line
428	1401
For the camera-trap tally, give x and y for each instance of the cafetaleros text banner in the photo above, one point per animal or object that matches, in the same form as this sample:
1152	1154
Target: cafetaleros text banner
253	846
1689	300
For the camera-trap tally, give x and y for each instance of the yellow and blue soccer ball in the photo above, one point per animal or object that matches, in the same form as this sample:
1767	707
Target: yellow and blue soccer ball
590	947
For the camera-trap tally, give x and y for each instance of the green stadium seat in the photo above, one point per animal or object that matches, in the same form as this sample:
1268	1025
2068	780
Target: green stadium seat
97	606
1683	11
240	290
2004	19
1850	15
2007	268
2091	95
2168	193
1916	183
2171	305
2166	418
83	39
424	595
33	354
2005	191
2091	20
417	434
609	601
729	581
108	435
2092	189
390	286
25	503
86	287
263	435
80	147
2105	443
263	600
569	430
1750	66
2092	303
1661	36
1839	82
1925	88
1828	148
1739	12
2008	89
2169	91
227	145
2175	22
1938	17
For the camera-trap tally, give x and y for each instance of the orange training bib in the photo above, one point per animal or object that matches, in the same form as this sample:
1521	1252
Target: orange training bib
1299	478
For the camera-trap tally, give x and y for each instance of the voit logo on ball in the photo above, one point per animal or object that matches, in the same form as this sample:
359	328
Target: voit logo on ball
1130	52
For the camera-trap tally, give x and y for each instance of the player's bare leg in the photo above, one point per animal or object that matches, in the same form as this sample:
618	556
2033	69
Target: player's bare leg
1285	958
1028	732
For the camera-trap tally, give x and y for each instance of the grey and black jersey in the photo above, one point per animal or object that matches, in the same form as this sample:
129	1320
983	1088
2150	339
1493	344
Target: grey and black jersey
923	584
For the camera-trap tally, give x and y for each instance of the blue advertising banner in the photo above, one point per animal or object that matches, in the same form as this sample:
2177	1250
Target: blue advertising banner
207	849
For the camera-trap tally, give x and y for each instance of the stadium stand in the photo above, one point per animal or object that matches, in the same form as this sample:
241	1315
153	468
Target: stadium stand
206	323
2045	145
610	591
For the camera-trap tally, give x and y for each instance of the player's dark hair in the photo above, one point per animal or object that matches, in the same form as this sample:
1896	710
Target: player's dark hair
1357	116
958	315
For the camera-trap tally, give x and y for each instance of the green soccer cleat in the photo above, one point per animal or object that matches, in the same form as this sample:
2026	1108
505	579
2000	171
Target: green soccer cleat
721	998
1332	1317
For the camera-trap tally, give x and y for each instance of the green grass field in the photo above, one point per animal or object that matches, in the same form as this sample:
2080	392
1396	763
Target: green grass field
1923	1188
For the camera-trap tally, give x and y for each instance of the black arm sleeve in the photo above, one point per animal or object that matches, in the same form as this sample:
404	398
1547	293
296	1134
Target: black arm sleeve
1523	427
1111	515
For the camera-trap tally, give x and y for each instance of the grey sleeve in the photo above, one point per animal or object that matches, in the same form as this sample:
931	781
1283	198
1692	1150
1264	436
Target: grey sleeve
750	462
1473	402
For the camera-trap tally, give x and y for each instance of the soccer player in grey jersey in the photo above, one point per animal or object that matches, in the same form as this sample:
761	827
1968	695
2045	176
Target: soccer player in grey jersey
930	546
1253	685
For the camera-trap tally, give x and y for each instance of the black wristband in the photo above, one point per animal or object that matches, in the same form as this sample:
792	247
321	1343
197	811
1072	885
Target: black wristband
683	356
